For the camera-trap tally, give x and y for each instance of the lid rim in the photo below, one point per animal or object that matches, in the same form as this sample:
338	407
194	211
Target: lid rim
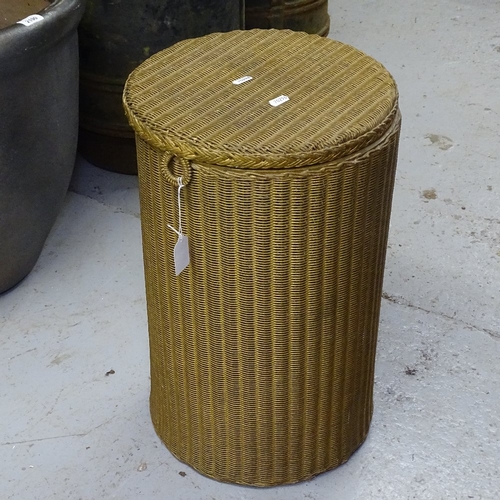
227	158
370	120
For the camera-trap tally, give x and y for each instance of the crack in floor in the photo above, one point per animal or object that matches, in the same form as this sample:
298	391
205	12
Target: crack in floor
64	436
117	210
396	299
44	439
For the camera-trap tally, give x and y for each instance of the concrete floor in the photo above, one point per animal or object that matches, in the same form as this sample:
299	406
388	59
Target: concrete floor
70	431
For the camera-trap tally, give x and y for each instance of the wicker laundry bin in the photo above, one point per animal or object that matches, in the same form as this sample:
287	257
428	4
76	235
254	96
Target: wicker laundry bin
263	347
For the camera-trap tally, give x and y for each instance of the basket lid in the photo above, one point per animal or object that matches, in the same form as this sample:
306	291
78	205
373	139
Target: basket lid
309	100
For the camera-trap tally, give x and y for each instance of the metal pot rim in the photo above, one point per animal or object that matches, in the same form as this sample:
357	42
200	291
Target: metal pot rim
20	43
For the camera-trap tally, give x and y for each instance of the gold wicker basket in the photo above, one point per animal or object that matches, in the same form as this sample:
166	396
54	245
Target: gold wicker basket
263	348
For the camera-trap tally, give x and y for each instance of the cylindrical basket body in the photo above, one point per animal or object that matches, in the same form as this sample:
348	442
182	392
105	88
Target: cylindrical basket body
310	16
263	348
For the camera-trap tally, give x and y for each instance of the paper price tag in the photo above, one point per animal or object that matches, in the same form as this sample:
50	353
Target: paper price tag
28	21
181	248
181	254
243	79
279	100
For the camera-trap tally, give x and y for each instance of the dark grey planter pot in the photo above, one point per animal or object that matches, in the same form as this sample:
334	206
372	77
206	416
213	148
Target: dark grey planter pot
115	37
38	132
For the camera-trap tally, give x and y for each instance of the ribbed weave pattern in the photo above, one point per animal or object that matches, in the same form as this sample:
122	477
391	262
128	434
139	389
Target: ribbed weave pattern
263	349
183	100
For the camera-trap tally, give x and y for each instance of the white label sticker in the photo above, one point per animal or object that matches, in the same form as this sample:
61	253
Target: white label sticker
181	254
243	79
279	100
28	21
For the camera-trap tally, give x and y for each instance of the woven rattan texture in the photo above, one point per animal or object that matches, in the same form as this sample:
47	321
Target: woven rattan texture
263	348
183	99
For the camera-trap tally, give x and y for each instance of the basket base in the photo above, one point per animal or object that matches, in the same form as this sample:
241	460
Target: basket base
233	480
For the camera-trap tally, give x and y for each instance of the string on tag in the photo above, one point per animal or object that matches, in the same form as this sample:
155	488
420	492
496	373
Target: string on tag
181	248
181	185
